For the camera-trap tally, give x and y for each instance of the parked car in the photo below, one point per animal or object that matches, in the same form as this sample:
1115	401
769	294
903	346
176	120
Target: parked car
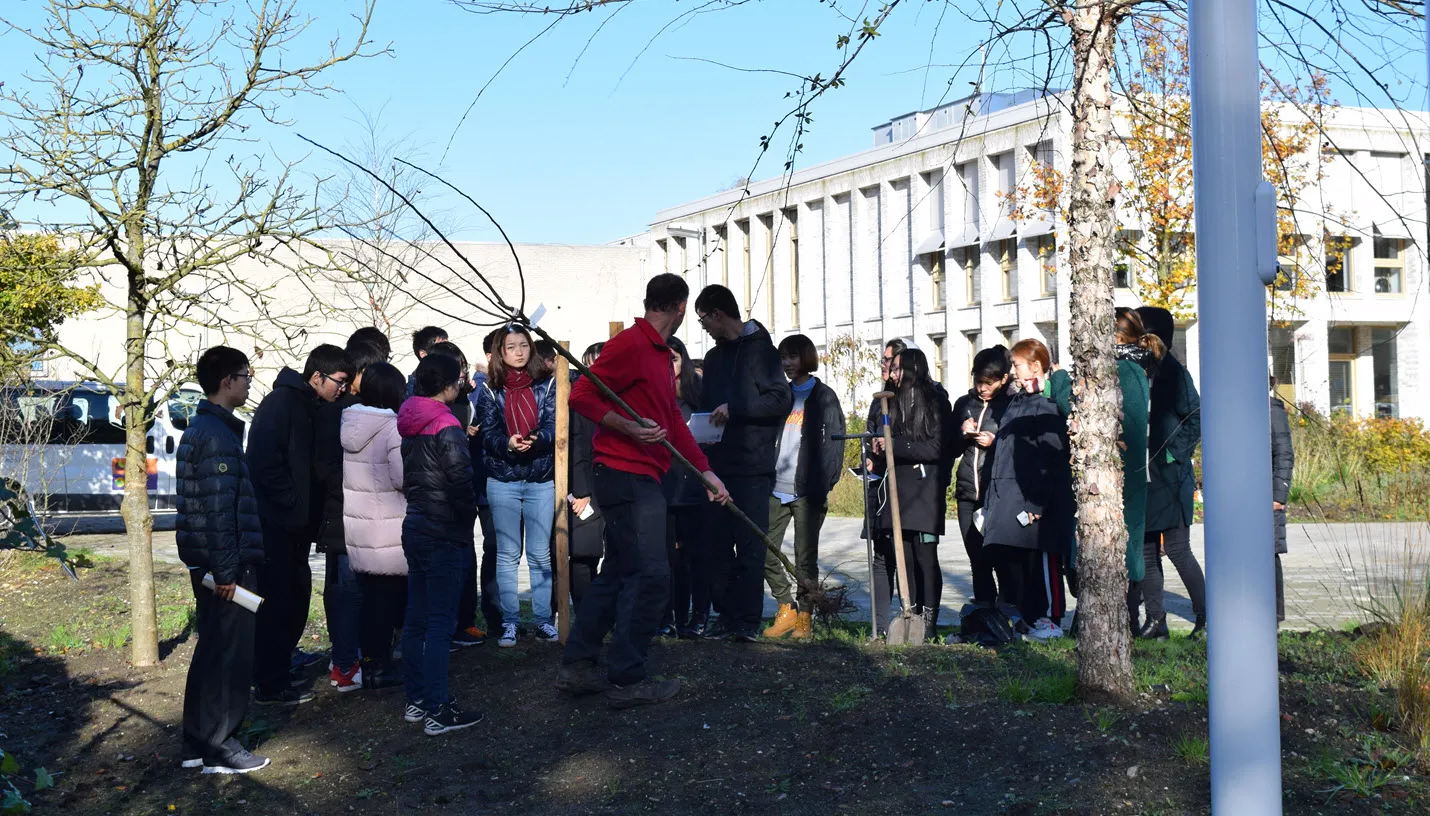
63	441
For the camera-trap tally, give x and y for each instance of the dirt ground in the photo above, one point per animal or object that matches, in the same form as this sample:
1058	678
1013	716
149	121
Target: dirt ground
834	726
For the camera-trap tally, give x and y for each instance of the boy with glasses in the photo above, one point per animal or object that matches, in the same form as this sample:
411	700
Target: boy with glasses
280	456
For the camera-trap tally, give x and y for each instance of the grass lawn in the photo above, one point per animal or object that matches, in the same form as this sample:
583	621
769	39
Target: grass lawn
832	726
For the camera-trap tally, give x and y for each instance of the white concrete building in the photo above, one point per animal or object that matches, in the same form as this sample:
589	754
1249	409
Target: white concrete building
584	290
913	239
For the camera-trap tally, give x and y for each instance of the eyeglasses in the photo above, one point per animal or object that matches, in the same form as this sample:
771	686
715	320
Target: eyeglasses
247	376
341	384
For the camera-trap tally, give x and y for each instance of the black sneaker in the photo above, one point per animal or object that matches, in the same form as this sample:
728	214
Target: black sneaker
693	630
717	631
237	762
302	659
745	635
470	636
1154	629
1199	631
415	713
298	679
286	697
381	679
578	679
192	755
450	718
646	692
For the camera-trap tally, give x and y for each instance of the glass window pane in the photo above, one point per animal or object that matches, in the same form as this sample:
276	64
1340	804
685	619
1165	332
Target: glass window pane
1387	397
1341	340
1387	280
1341	387
1283	355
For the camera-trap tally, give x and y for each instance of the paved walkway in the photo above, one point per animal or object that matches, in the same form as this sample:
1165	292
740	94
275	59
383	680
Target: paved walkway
1333	572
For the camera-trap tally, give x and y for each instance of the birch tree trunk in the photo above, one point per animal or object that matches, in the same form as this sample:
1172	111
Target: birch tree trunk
1104	641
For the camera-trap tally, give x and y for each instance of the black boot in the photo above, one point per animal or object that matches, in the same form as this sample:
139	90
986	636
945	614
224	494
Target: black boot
930	616
1134	617
1154	629
1199	631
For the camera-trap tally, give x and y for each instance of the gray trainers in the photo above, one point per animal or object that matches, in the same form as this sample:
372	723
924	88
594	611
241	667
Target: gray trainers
645	692
578	679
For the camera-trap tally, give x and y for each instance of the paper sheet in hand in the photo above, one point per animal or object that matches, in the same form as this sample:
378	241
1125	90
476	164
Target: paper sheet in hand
241	596
703	431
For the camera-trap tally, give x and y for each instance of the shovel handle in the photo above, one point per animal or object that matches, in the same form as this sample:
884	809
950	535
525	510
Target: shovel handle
884	397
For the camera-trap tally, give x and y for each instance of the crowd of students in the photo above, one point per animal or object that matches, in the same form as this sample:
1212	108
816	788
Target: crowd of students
393	477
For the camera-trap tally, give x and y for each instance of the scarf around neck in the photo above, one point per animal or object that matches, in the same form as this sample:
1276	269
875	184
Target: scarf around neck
1139	355
521	412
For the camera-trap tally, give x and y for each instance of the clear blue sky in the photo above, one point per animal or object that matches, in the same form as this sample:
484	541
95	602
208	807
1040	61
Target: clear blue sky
590	153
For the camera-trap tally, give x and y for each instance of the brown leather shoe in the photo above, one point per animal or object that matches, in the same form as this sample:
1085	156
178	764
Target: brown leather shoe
578	679
646	692
784	622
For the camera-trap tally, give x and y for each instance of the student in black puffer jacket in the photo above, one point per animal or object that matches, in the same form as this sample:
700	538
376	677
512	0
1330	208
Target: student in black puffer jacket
219	533
977	416
1283	462
437	536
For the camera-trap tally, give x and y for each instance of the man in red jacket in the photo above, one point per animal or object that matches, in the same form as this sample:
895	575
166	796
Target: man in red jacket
629	596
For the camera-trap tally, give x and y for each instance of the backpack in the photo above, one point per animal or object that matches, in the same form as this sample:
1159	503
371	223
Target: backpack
987	627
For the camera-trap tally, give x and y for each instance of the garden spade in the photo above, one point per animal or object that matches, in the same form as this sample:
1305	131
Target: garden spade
905	629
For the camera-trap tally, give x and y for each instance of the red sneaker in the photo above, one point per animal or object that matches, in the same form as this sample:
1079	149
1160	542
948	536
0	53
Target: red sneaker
346	679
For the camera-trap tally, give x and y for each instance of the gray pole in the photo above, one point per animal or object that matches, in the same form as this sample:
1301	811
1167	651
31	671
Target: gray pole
1236	249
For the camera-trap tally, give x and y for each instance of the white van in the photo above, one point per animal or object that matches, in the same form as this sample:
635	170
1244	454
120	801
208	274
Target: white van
63	441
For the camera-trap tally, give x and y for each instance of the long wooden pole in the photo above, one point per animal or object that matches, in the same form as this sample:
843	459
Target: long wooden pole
561	554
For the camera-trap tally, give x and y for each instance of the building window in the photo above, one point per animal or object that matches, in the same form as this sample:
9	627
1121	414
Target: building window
792	218
1282	344
1389	264
968	175
967	261
1338	263
971	342
1290	265
940	286
682	257
767	275
722	233
1387	391
1048	264
938	362
1340	343
662	247
1008	268
1009	335
744	228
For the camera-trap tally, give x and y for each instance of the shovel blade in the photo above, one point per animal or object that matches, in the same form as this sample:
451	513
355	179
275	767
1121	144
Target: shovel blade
902	631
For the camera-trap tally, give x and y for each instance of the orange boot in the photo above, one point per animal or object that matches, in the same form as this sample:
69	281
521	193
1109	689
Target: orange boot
784	622
803	626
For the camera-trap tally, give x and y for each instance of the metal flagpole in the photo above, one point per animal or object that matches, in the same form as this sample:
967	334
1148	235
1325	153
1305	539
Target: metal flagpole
1236	259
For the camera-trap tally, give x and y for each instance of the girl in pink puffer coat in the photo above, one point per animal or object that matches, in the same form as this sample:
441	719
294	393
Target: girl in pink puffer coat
373	509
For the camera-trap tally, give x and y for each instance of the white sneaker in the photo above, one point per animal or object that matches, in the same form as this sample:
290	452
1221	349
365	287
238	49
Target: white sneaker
508	635
1045	629
548	633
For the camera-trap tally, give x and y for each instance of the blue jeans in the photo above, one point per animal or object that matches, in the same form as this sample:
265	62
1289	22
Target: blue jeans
515	503
632	592
342	604
434	580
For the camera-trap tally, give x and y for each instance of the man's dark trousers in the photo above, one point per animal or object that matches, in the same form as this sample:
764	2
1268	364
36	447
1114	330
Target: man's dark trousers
738	553
286	583
216	694
629	596
486	574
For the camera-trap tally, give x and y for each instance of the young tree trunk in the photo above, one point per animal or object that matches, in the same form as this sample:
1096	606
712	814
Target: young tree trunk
138	521
1104	648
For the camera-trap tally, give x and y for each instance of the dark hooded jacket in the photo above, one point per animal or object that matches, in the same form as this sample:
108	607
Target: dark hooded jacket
217	526
745	374
969	406
436	476
1175	429
1283	462
588	536
328	471
1031	473
922	471
280	456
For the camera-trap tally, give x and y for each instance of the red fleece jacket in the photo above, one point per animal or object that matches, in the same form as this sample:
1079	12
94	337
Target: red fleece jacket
636	365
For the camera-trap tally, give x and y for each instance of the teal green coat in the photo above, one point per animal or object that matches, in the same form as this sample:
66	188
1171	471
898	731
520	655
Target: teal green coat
1136	396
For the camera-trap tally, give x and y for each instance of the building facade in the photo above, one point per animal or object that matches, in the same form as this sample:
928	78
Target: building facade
919	238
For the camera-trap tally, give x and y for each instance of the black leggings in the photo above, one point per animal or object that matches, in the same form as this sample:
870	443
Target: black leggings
689	568
925	575
985	564
384	601
583	572
1178	545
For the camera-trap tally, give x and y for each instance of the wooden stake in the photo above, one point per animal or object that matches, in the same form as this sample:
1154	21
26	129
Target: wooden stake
561	545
